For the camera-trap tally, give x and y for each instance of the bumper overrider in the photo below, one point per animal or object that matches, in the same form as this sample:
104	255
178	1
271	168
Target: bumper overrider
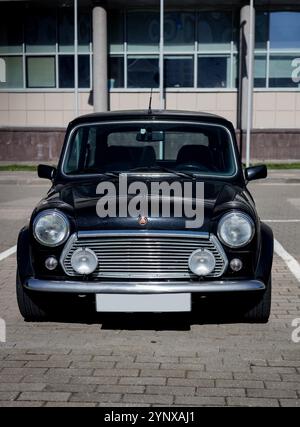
136	287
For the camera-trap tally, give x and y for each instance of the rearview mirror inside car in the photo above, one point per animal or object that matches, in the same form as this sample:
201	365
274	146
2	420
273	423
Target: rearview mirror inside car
148	135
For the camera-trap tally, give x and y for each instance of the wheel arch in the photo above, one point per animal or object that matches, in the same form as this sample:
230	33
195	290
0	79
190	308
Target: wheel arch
265	258
24	262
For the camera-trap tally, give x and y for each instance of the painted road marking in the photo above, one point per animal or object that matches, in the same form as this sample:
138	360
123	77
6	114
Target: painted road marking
290	261
8	252
289	184
281	220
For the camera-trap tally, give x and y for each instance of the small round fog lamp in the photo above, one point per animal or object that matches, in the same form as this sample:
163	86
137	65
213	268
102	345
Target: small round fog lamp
84	261
202	262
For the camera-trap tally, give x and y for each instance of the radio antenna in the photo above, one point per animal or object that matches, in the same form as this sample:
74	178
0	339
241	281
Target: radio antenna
150	102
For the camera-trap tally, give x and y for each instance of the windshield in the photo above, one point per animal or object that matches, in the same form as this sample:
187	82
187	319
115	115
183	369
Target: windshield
147	147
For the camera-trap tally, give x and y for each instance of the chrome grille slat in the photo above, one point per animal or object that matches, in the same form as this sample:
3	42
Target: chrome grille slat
141	256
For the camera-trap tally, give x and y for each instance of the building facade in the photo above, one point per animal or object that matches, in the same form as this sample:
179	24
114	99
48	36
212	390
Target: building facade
116	47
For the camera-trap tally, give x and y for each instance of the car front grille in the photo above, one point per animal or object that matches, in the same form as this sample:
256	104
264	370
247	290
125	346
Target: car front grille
143	255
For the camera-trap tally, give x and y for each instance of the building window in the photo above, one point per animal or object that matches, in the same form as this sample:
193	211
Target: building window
215	31
142	31
213	71
66	71
281	69
11	30
260	70
66	30
179	71
116	72
142	72
14	72
40	71
37	46
193	41
277	50
179	31
40	30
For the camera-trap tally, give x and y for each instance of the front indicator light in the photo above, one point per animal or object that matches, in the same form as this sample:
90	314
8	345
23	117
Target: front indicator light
236	264
202	262
84	261
51	263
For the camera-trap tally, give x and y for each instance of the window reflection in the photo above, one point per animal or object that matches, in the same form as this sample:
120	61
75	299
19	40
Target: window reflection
40	30
142	72
277	49
179	71
213	72
285	30
179	31
143	31
215	30
66	71
116	72
281	71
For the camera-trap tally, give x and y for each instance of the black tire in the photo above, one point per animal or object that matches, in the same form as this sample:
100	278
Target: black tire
32	306
260	309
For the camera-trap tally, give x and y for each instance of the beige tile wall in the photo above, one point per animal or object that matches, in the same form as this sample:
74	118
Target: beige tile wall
55	109
222	103
41	109
276	110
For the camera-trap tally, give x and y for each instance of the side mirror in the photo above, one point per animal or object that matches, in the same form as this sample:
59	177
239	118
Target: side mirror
46	171
256	172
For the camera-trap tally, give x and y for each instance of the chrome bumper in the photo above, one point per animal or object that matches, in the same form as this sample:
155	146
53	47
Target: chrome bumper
136	287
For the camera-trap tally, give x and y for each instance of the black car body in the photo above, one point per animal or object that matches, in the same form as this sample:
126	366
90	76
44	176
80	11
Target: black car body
146	262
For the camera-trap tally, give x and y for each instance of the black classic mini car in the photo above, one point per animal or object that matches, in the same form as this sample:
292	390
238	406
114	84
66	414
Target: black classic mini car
148	211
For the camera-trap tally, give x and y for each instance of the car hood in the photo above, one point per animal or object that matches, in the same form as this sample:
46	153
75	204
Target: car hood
80	199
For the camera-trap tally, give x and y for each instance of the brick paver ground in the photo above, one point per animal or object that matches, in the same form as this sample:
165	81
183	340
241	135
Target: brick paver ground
151	361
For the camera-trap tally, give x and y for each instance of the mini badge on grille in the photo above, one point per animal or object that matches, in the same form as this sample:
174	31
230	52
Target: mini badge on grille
142	220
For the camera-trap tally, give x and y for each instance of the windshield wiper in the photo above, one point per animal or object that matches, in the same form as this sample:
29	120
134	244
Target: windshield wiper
101	174
163	169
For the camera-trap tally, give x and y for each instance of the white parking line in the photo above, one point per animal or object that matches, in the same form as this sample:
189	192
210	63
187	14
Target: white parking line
281	220
8	252
290	261
276	184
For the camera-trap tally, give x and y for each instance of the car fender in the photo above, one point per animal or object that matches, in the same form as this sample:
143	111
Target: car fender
24	254
265	259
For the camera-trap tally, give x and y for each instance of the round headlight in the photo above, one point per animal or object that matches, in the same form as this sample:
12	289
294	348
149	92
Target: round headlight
51	228
202	262
236	229
84	261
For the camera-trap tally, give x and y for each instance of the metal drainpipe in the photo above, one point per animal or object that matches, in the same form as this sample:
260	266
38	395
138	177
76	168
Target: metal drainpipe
250	86
76	57
161	57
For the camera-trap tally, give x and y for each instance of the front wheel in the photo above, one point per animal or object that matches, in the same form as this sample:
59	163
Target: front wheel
33	307
260	308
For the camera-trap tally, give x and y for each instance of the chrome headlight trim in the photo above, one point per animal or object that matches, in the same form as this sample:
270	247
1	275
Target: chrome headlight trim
55	213
242	215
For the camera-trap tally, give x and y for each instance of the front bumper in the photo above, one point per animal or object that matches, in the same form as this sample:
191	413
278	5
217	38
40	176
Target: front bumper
136	287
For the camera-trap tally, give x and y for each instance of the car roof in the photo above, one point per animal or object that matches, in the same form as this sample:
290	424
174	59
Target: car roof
153	114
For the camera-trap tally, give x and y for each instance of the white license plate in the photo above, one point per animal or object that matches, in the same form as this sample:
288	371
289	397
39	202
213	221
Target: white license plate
143	302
